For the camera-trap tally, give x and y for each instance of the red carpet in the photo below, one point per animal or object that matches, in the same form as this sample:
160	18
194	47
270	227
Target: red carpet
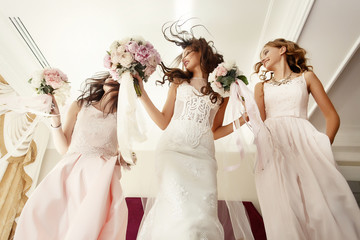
257	225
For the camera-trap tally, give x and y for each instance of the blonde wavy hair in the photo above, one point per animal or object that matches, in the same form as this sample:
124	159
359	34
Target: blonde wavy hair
295	57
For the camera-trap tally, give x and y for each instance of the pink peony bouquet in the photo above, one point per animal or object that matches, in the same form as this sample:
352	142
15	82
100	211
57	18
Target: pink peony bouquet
223	76
134	55
51	81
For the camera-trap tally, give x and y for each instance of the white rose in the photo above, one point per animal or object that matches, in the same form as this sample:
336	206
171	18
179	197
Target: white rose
117	55
62	93
126	60
229	65
114	46
121	49
238	72
124	41
219	90
37	79
212	76
138	39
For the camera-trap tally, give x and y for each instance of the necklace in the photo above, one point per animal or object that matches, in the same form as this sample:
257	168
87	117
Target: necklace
276	82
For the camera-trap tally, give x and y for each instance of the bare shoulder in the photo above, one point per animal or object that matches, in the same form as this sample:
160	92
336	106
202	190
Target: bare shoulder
309	75
311	78
259	88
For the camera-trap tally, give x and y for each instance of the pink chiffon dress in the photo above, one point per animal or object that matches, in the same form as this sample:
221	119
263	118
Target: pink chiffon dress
81	198
302	194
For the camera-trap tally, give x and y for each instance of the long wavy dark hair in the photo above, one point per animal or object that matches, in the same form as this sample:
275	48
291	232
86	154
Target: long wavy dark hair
295	57
209	59
93	91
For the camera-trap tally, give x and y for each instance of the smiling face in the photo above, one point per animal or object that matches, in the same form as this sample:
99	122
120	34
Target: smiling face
190	59
270	56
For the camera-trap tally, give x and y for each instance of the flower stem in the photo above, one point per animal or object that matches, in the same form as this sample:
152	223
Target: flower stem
137	87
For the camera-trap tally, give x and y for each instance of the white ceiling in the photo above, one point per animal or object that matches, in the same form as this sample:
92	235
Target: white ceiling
74	35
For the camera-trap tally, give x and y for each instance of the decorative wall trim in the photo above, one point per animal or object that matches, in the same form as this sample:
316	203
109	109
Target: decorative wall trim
28	39
339	70
297	12
348	163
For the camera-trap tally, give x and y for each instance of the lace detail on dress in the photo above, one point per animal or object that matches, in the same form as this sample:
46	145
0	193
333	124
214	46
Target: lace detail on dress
203	236
178	195
194	169
88	138
289	99
196	110
211	200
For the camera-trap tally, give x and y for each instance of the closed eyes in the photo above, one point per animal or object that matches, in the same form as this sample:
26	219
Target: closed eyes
187	53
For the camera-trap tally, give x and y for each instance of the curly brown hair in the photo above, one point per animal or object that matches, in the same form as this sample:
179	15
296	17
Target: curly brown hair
93	91
209	59
295	57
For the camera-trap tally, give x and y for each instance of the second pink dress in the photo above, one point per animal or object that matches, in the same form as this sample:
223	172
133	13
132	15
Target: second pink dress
81	198
301	192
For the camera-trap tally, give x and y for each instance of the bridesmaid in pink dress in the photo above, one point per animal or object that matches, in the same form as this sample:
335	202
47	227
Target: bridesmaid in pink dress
301	192
81	198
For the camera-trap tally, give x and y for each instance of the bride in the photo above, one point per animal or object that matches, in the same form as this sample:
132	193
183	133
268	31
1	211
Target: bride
186	204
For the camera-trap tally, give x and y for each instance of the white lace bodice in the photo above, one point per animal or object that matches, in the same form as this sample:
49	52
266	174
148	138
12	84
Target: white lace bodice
94	133
289	99
193	112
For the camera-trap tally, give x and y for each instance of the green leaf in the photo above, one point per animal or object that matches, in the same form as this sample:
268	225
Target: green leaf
227	81
244	79
232	73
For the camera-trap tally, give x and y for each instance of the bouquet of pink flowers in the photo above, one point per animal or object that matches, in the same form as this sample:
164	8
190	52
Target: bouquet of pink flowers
223	76
134	55
51	81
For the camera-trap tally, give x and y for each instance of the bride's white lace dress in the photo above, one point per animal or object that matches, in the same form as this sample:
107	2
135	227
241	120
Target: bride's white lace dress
186	205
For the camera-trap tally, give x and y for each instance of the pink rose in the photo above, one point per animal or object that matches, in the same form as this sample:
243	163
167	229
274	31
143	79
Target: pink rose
132	47
142	54
54	78
221	71
153	60
218	84
149	70
107	61
149	46
156	57
114	75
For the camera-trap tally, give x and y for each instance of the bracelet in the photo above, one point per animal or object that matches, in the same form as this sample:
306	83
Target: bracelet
55	127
